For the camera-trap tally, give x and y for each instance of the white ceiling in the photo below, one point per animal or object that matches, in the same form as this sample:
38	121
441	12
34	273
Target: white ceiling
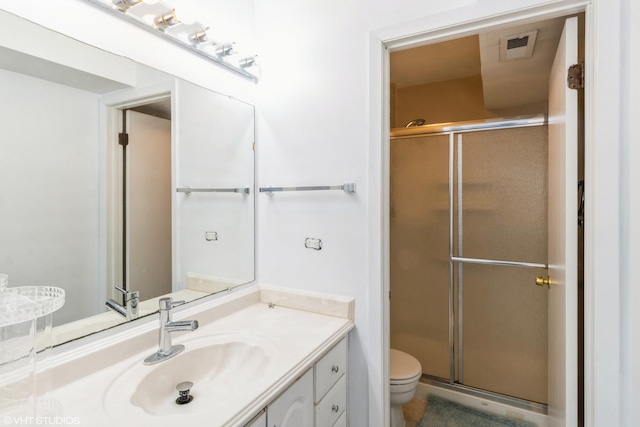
505	84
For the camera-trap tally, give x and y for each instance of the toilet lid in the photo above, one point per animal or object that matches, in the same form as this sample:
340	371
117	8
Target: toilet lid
403	365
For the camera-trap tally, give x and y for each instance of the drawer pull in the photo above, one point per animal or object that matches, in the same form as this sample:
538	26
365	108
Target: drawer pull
335	408
335	369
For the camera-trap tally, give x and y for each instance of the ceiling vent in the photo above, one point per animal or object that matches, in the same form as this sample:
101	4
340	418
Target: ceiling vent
517	46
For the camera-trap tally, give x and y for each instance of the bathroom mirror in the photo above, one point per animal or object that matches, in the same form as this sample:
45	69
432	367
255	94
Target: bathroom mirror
75	215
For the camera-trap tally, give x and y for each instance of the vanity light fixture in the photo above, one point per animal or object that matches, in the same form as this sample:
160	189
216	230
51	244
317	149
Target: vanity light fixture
160	18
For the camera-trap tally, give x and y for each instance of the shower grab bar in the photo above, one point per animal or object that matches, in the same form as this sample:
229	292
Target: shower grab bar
347	187
498	262
189	190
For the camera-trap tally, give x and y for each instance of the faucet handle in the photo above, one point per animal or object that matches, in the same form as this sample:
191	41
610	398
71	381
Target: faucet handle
128	295
168	303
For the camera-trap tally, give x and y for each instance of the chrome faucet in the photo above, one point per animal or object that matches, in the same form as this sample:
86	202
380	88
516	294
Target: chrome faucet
130	307
165	349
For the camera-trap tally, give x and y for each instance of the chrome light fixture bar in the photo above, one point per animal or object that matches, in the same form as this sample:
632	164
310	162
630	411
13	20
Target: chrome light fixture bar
161	19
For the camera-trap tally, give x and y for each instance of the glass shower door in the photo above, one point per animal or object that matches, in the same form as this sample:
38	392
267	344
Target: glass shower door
468	226
500	215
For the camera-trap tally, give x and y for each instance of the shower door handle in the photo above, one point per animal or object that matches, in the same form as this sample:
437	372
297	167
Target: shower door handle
543	281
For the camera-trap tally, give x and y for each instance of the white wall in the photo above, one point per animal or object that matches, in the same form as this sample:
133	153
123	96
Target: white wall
49	190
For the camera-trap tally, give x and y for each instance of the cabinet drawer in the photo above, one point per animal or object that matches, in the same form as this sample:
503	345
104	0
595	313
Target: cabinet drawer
329	369
332	405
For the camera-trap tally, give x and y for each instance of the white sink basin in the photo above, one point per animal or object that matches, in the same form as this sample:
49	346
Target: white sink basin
220	367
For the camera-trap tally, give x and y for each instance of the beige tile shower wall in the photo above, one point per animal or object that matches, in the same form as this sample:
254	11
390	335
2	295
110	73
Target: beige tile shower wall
420	250
450	101
440	102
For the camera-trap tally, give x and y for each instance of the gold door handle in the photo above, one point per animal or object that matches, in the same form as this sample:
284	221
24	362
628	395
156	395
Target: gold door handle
542	281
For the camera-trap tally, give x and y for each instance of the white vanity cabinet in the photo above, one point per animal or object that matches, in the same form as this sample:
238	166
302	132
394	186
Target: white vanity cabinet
330	391
294	407
318	398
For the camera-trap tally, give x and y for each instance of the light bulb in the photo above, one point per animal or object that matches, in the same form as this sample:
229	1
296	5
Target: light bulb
166	20
199	36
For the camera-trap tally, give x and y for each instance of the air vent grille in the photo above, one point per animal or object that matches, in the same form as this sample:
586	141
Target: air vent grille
517	46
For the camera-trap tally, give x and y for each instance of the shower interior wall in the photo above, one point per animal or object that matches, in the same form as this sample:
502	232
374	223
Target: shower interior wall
458	99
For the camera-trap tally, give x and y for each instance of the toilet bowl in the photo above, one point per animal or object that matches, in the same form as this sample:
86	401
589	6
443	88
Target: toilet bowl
404	375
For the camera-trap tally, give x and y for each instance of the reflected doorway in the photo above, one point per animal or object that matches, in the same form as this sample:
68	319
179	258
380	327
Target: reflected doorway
144	199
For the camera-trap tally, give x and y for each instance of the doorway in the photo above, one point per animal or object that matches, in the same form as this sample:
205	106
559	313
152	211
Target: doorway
453	340
140	225
148	214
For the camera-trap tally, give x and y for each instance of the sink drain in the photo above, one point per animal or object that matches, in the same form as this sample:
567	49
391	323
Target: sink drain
184	389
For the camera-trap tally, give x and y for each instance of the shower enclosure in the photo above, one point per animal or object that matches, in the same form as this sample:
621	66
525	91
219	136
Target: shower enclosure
468	221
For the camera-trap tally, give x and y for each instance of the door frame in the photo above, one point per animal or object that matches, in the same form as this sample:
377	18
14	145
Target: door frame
602	131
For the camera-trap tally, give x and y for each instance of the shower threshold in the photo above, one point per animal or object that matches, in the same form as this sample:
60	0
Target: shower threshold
515	402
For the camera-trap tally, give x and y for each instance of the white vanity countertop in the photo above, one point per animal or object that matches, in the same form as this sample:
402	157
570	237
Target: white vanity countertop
96	383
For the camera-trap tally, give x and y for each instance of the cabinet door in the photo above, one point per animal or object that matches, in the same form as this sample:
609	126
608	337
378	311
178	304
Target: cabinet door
294	407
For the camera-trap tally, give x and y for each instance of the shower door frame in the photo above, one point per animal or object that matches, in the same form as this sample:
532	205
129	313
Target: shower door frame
456	377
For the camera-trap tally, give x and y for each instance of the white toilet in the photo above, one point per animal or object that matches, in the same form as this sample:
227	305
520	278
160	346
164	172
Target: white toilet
404	373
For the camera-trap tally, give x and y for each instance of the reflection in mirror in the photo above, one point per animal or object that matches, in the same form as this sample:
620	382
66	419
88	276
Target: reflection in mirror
142	182
148	209
78	215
